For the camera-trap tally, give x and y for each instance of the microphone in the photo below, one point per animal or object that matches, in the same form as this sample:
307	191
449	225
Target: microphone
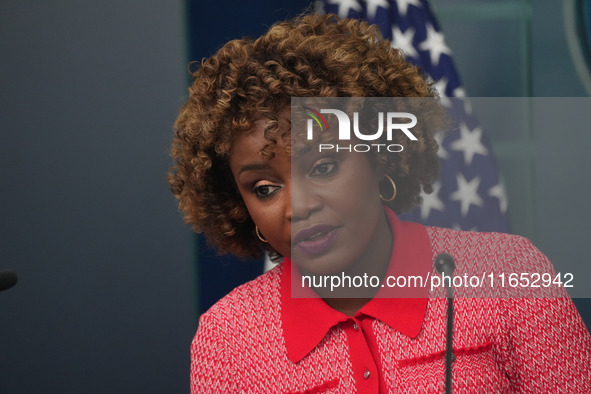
445	265
8	279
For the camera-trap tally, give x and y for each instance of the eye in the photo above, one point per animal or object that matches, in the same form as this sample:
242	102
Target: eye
264	190
324	169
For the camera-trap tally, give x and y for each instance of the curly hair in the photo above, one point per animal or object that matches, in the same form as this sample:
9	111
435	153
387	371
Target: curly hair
311	56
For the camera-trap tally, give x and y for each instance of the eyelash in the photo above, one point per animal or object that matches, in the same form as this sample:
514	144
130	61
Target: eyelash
332	167
259	187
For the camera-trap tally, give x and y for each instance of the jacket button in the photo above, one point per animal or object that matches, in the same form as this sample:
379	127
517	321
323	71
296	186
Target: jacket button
355	326
366	375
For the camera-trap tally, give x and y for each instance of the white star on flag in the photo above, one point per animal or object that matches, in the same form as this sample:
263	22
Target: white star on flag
432	201
441	86
403	41
467	193
372	7
442	153
345	6
461	93
458	227
499	192
435	44
403	5
470	142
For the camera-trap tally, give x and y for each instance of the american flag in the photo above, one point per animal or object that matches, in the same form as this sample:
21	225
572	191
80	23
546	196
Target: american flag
468	195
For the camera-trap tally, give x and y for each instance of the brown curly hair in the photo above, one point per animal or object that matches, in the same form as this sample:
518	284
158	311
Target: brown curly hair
311	56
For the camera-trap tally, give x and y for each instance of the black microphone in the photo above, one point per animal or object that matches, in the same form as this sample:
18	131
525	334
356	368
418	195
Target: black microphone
8	279
444	264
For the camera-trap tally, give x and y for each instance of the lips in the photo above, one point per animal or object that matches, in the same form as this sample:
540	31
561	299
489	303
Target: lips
316	239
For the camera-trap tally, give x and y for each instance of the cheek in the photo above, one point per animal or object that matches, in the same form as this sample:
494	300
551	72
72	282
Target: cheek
360	210
356	192
358	203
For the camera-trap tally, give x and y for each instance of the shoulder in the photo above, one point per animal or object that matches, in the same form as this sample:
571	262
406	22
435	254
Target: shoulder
259	298
495	264
476	241
234	334
249	315
492	249
537	334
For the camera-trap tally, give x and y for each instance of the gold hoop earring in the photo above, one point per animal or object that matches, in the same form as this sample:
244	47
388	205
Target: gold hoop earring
393	190
256	230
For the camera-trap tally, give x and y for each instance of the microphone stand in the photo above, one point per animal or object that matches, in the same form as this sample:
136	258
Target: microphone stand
445	265
449	339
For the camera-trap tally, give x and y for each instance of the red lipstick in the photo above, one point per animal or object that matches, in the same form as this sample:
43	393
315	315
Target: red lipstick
316	239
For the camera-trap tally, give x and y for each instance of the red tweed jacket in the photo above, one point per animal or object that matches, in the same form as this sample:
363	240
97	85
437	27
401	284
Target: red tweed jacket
254	341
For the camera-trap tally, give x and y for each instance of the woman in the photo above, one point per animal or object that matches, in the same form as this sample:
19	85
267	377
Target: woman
245	177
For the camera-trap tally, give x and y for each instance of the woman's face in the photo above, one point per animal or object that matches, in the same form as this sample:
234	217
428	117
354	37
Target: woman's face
322	210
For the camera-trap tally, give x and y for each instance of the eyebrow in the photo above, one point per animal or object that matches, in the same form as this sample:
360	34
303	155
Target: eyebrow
250	167
299	151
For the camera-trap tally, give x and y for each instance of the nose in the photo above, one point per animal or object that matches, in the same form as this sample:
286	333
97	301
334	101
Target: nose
305	200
